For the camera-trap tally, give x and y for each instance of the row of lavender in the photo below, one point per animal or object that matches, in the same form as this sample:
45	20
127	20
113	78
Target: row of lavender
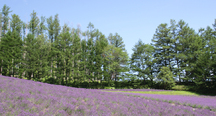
206	102
25	97
135	90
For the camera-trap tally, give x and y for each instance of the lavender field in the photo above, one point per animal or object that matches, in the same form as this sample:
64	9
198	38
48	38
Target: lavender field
135	90
25	97
207	102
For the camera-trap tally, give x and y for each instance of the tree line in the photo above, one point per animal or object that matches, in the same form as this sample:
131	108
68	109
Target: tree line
177	50
42	50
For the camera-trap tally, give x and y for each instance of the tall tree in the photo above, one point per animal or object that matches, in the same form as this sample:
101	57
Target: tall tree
83	58
56	26
121	60
6	53
99	47
163	46
1	61
62	49
116	40
142	60
181	45
103	45
90	33
41	27
33	24
58	50
0	25
11	53
76	48
16	24
56	32
50	28
114	67
30	59
24	30
30	48
213	51
175	48
191	45
43	48
204	65
67	36
53	32
5	18
90	59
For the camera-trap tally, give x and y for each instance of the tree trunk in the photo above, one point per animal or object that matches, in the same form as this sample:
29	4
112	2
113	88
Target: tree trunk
32	75
67	76
115	77
1	67
0	40
178	70
144	80
151	74
13	70
51	67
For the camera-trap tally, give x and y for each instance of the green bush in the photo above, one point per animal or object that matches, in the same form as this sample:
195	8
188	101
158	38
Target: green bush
166	78
25	78
181	88
109	87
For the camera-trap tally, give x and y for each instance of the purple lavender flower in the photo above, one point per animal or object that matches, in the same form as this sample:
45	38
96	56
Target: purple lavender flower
193	101
27	97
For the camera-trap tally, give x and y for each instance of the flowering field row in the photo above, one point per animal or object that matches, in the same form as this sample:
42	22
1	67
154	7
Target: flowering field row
135	90
25	97
208	102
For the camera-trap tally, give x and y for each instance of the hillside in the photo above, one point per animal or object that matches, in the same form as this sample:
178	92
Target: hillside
25	97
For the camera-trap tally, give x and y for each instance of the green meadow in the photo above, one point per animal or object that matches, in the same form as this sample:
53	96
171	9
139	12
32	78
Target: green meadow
162	92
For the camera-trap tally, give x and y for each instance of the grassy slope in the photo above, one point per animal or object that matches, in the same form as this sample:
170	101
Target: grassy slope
161	92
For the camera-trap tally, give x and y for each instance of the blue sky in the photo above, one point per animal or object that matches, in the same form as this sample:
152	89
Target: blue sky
131	19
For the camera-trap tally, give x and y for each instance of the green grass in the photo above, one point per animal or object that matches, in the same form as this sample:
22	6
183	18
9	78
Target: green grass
161	92
182	87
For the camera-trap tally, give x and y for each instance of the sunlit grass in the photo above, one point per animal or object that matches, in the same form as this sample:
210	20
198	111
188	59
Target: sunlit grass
162	92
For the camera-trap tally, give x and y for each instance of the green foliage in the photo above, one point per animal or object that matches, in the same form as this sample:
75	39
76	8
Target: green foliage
114	65
142	60
11	52
182	88
30	59
5	19
53	32
44	48
34	22
49	80
163	46
16	24
166	78
0	25
109	87
117	55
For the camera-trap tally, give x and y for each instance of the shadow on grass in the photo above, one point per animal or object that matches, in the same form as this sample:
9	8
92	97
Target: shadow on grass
205	92
199	90
170	92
